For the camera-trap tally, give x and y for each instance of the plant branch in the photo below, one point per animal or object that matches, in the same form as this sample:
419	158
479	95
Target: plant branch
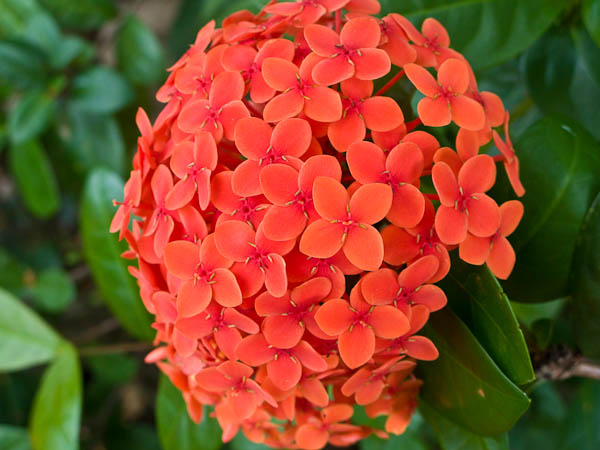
563	363
125	347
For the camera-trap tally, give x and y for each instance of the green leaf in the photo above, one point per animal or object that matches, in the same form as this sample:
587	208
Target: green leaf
101	90
23	65
56	411
103	253
14	15
14	438
411	439
591	17
30	116
81	14
139	52
560	163
43	31
175	428
464	384
53	291
588	52
585	283
35	178
487	32
581	430
475	294
26	339
113	369
68	49
454	437
240	442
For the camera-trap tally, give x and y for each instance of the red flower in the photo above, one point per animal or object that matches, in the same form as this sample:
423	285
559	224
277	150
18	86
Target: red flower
511	162
131	199
305	12
161	222
315	434
351	53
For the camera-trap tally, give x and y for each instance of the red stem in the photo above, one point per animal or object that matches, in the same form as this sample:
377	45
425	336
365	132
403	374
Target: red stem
338	21
499	158
432	197
413	124
390	83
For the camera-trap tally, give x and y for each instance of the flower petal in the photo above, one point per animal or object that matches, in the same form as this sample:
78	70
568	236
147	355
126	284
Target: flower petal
435	112
371	203
371	64
408	206
309	357
282	331
330	198
388	322
322	104
322	239
511	213
284	372
226	290
318	165
419	272
474	250
430	296
254	350
333	70
253	137
246	179
279	73
361	32
484	216
291	137
380	287
283	106
451	225
399	246
334	317
478	174
364	248
346	132
501	259
182	258
466	113
322	40
275	275
381	113
193	298
292	217
419	347
445	183
311	437
422	79
356	346
454	75
366	162
234	239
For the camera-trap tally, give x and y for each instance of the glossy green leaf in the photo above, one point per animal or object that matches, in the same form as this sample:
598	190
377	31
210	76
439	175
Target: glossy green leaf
56	411
101	90
560	163
26	339
464	384
454	437
30	116
53	291
585	283
81	14
34	175
475	294
588	52
590	12
103	253
139	52
175	428
22	64
487	32
14	438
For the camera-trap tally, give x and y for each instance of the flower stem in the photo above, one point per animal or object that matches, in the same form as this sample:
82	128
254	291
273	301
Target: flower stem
390	83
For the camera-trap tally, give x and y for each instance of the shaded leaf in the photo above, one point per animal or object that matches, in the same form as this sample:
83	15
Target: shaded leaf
590	12
103	253
53	291
30	116
34	175
475	294
14	438
464	384
100	90
81	14
454	437
560	163
57	407
175	428
23	65
139	52
581	430
14	15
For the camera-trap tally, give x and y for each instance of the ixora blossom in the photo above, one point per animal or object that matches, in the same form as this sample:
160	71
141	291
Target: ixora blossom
290	220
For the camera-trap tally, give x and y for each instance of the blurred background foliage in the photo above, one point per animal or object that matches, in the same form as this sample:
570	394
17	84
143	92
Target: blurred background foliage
73	332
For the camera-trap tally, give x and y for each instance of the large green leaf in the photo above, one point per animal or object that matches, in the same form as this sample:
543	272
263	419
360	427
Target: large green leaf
560	163
26	339
175	428
14	438
487	32
139	52
464	383
591	18
103	252
585	283
475	294
581	430
101	90
30	116
454	437
57	407
81	14
35	178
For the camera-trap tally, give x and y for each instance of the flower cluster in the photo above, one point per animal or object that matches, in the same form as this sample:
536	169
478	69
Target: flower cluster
286	236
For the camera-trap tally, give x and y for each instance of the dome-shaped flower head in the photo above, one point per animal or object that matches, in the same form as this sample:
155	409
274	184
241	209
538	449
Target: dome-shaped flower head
299	93
401	169
346	222
445	99
205	275
357	323
248	61
406	289
131	199
219	114
315	434
290	191
287	317
258	259
464	206
352	53
511	161
361	111
495	250
193	162
305	12
284	365
263	145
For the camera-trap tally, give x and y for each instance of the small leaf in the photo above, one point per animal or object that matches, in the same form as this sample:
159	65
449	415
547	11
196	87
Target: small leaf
464	384
30	116
101	90
81	14
139	52
53	291
35	178
454	437
560	163
475	294
175	428
69	48
591	17
23	65
56	411
14	438
26	339
103	253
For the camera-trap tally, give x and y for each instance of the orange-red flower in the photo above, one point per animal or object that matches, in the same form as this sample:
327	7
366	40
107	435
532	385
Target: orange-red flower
305	12
511	161
317	431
